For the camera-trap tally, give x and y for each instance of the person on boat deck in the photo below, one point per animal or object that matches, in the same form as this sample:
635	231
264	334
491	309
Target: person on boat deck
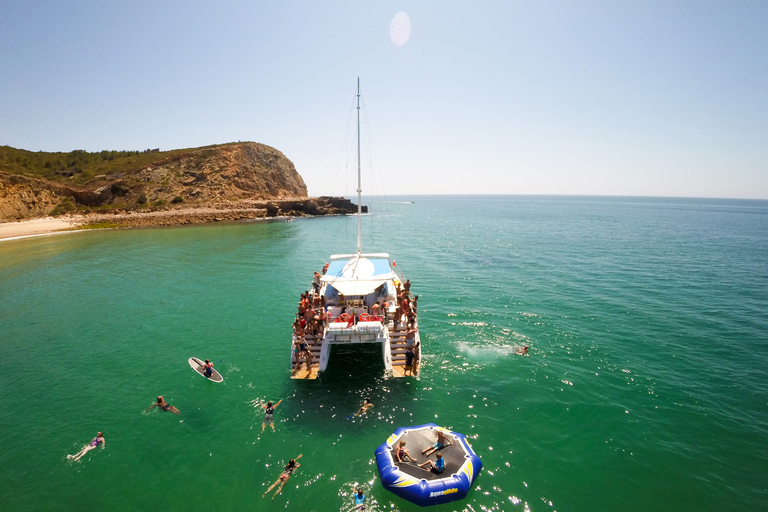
284	476
409	355
442	442
208	372
98	440
402	452
316	282
407	285
375	309
161	403
360	500
269	410
410	335
438	466
296	351
364	408
305	353
297	329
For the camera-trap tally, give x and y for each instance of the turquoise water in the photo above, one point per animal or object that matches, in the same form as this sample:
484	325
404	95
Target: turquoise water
644	389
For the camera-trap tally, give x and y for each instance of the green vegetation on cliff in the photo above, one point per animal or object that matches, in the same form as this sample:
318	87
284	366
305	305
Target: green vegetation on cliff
79	167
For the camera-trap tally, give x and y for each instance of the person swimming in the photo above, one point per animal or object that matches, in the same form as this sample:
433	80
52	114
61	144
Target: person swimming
98	440
359	500
164	406
364	408
269	419
284	476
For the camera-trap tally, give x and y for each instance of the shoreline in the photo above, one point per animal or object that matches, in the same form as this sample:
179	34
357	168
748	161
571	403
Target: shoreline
127	219
37	227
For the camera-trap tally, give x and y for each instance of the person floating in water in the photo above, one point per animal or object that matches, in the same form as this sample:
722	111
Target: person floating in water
163	405
442	442
284	476
359	500
269	419
364	408
438	466
521	351
208	372
98	440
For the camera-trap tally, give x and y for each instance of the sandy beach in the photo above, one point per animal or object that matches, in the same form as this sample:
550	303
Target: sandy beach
36	227
171	217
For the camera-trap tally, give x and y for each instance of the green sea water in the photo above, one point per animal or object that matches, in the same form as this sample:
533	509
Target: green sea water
644	388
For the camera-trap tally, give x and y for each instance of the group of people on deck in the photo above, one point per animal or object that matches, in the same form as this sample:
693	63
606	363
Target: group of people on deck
313	316
436	466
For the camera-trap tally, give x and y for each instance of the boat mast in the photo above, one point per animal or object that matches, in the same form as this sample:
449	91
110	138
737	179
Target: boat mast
359	183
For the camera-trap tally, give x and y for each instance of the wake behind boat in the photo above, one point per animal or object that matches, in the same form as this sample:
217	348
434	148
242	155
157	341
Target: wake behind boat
359	298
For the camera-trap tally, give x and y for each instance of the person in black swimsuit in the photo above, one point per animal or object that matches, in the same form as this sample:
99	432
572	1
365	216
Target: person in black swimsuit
284	476
163	405
269	410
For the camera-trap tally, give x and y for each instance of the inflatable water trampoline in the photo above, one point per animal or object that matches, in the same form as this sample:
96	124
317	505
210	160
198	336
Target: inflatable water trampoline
424	485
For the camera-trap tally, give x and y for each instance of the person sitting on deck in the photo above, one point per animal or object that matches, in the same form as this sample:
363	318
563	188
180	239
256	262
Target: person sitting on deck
438	466
402	453
442	442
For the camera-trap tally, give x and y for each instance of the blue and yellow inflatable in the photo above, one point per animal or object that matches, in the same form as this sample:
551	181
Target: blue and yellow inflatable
424	486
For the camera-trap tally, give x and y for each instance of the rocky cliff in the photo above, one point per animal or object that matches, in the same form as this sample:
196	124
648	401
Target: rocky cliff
240	176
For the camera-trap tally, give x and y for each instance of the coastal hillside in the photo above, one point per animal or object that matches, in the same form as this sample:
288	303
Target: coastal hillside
236	175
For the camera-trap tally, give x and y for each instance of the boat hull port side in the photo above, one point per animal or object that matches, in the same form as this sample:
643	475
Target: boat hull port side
359	298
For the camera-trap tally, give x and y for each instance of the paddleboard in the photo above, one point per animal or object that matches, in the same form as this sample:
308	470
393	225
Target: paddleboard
198	365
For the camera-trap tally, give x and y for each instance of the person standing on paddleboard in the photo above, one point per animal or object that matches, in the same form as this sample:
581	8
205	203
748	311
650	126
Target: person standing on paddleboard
269	410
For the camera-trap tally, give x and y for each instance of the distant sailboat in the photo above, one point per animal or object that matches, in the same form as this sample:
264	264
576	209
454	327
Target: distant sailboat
360	298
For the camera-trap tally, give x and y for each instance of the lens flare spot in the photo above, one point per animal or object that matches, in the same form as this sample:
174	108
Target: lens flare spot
400	29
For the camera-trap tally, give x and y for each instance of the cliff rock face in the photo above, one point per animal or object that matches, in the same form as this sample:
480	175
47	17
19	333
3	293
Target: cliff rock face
229	173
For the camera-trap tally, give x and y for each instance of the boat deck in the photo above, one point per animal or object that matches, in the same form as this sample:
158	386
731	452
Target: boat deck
398	347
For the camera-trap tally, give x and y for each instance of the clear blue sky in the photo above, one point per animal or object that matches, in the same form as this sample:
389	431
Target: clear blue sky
660	98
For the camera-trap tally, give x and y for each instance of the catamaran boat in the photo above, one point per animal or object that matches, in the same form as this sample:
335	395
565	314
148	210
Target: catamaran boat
359	298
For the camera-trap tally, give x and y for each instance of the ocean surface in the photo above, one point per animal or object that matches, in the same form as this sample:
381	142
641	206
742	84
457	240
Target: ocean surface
644	389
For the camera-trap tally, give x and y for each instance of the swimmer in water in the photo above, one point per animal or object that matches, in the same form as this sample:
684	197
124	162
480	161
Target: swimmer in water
269	411
98	440
359	500
521	351
163	405
284	476
364	408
